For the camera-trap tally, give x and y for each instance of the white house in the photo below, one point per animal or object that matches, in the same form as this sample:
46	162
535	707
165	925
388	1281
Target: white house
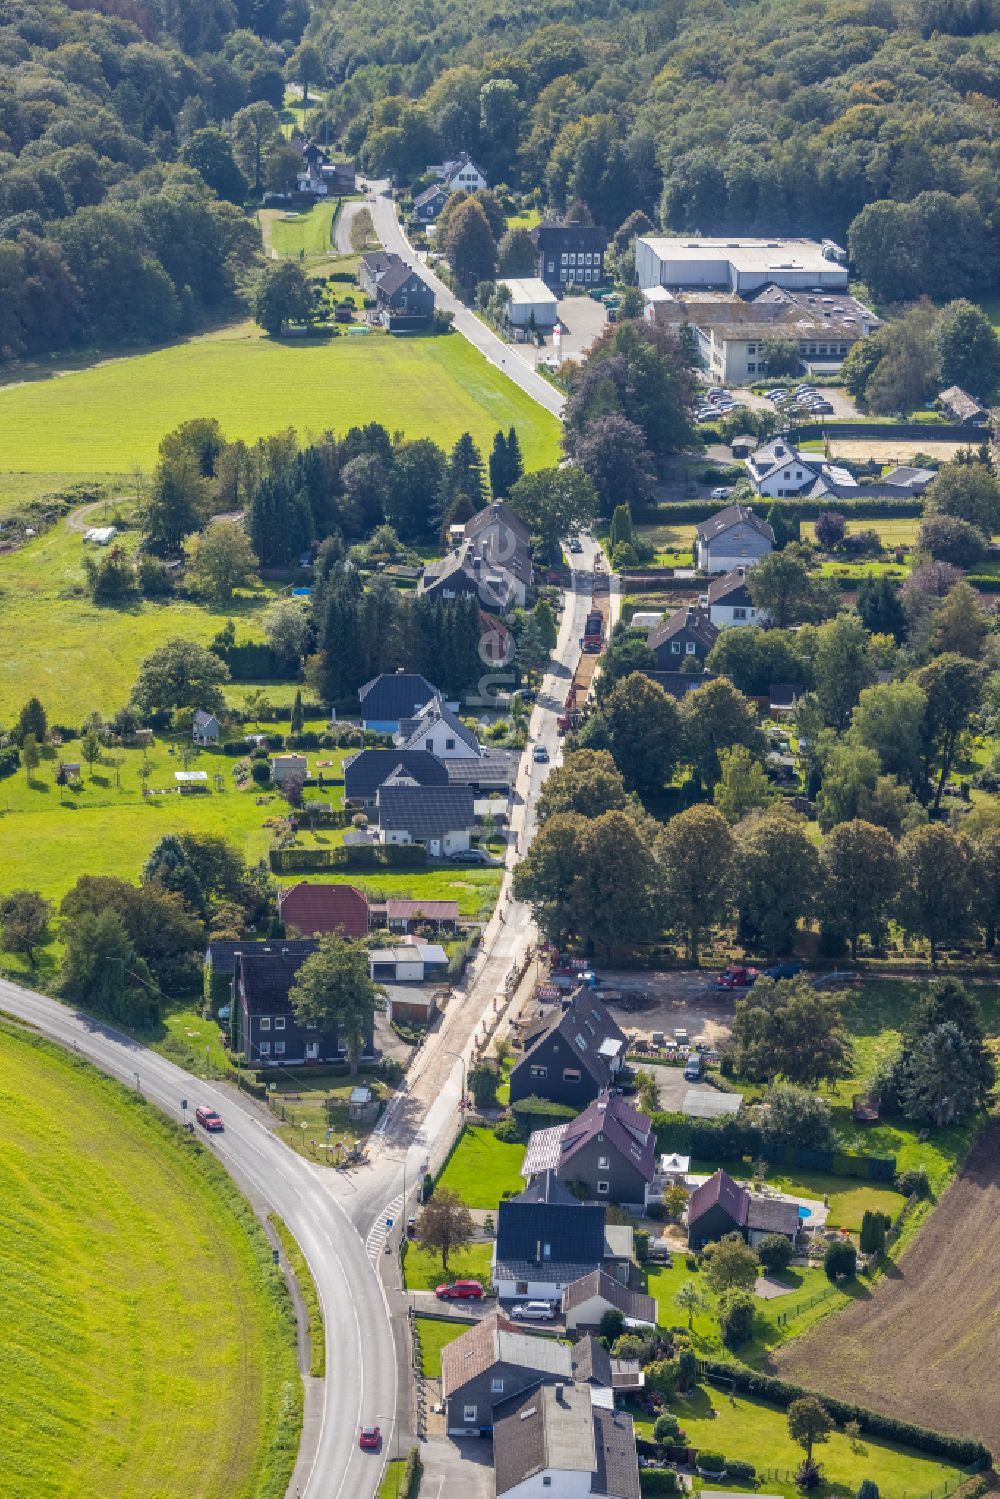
734	537
461	173
436	729
562	1441
440	817
728	600
285	768
741	263
530	299
205	728
585	1302
777	470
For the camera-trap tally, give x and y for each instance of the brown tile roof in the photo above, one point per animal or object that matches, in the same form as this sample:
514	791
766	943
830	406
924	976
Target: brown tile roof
435	910
720	1189
772	1215
592	1362
496	1340
321	909
634	1304
617	1474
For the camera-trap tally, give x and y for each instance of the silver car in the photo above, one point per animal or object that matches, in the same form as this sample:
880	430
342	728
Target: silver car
533	1311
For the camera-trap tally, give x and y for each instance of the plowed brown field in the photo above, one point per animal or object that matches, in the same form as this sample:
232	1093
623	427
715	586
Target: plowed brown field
925	1346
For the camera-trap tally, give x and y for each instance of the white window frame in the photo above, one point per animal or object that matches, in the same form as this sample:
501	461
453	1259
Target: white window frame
279	1048
496	1386
265	1048
603	1189
279	1022
604	1163
265	1022
470	1415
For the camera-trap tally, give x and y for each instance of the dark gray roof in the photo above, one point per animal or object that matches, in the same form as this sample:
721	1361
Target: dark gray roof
221	955
365	771
548	1427
201	717
378	261
395	695
591	1360
680	683
548	1188
634	1304
498	511
495	1340
622	1127
395	278
434	191
617	1473
426	811
730	586
495	768
266	979
772	1215
733	515
572	1231
720	1190
584	1019
686	620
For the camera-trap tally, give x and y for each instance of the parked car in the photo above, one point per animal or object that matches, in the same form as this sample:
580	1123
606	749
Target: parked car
533	1311
782	970
460	1290
469	856
540	754
576	545
411	1227
369	1438
723	492
208	1119
694	1068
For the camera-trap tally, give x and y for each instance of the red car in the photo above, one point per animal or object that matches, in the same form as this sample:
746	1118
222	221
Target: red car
460	1290
737	978
208	1118
369	1438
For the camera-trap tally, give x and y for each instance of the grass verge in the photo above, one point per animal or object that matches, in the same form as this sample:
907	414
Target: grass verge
422	1267
308	1292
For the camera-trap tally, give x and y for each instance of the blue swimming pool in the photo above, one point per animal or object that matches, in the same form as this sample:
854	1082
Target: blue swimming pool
805	1212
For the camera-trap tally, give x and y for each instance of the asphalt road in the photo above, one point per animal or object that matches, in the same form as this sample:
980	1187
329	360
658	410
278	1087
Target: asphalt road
360	1384
390	232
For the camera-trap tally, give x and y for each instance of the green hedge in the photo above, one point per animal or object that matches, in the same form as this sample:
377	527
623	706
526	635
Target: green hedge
734	1137
658	1481
362	856
962	1451
871	507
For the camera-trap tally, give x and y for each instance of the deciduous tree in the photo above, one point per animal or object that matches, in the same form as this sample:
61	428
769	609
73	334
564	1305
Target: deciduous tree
787	1028
860	874
732	1264
445	1225
222	560
809	1423
333	991
180	674
715	718
777	879
697	856
645	730
24	922
588	783
935	898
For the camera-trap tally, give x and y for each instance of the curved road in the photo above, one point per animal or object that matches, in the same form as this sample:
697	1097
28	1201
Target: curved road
360	1384
390	232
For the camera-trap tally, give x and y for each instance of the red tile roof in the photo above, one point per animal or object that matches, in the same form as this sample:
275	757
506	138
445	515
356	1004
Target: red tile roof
320	909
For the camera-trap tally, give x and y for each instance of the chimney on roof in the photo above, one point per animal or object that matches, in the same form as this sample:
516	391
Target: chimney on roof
560	1393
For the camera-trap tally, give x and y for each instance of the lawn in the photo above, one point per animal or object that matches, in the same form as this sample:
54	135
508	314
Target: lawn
422	1267
893	533
296	234
112	415
435	1336
481	1168
739	1427
149	1343
672	544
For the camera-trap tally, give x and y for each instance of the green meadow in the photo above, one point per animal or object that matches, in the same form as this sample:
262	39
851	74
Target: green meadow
149	1344
111	416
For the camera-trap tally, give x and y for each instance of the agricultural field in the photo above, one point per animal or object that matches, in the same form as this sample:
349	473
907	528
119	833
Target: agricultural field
140	1302
112	415
932	1319
747	1429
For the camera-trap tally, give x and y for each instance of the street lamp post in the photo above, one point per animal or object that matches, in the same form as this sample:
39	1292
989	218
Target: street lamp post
395	1439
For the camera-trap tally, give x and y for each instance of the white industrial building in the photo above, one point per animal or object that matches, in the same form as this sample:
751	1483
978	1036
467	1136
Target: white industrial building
739	264
528	296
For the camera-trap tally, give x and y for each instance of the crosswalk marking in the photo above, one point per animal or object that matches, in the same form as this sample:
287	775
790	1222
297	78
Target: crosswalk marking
378	1230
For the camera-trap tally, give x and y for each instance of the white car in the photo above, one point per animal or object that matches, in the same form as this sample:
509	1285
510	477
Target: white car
533	1311
722	493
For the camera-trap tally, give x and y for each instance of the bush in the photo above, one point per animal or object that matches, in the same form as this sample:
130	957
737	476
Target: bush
736	1314
840	1260
261	771
665	1428
808	1474
740	1471
611	1324
913	1182
711	1462
508	1131
775	1252
658	1481
10	759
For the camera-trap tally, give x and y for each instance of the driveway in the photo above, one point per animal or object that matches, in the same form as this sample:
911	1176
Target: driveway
457	1465
582	321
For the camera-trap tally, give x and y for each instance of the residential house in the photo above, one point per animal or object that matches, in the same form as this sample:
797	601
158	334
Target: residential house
720	1206
317	910
491	1362
220	962
466	572
530	308
428	204
501	538
404	300
728	601
778	470
734	537
437	731
585	1302
407	963
404	915
572	1053
963	408
461	174
205	728
493	773
687	634
680	683
365	771
609	1149
546	1239
318	177
440	817
558	1440
739	263
285	768
391	696
782	698
372	265
570	254
267	1032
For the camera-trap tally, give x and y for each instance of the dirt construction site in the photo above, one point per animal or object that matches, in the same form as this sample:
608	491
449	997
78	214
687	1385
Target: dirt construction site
923	1344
